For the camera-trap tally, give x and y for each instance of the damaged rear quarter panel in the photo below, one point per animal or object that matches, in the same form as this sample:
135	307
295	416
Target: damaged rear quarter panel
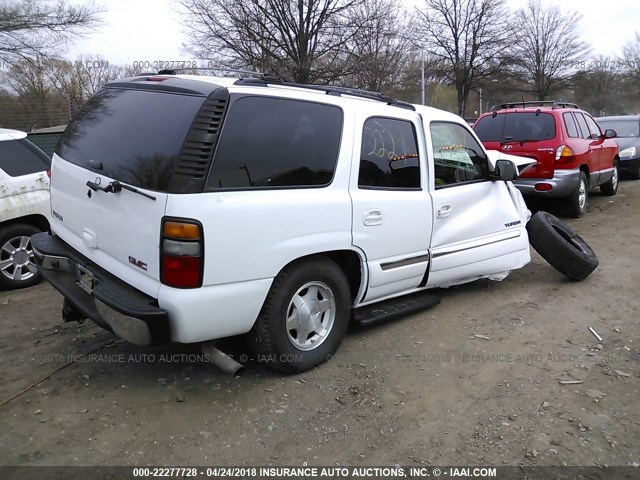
25	195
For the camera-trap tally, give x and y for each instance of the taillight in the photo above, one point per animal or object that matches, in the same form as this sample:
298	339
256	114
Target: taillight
49	173
181	253
563	151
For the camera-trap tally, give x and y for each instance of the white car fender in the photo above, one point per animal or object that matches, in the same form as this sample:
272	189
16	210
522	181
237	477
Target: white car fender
523	163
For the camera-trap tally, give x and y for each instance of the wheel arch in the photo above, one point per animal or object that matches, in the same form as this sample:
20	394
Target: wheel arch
585	168
35	220
352	264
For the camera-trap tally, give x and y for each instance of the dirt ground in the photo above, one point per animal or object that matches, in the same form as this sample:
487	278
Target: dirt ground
475	380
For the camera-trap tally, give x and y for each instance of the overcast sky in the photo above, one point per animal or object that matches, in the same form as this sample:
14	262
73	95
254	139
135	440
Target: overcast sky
149	30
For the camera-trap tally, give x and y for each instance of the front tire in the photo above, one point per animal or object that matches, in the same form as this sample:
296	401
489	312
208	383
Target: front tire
17	267
304	317
578	199
611	187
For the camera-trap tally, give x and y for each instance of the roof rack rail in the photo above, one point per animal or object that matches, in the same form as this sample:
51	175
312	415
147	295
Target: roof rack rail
535	103
260	78
335	90
354	92
248	73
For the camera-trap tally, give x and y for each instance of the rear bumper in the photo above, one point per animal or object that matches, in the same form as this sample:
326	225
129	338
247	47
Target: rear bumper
563	183
108	302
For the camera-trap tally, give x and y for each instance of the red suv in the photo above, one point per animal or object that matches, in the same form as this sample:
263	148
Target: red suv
573	155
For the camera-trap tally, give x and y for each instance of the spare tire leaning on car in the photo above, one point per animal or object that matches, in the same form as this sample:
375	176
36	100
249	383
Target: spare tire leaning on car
559	245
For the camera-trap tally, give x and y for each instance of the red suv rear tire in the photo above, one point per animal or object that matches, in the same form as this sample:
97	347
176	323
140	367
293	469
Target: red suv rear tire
579	197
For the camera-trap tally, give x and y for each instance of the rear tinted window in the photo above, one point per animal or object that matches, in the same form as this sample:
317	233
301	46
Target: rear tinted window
389	154
583	125
133	136
570	123
516	126
624	128
21	157
275	143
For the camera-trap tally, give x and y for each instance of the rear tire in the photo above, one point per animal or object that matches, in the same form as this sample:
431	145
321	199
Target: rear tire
304	317
579	198
17	266
611	187
559	245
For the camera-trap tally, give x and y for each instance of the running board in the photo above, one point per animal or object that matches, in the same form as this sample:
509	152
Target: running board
394	308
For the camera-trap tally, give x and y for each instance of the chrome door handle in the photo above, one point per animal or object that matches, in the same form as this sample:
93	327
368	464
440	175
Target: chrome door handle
444	210
372	217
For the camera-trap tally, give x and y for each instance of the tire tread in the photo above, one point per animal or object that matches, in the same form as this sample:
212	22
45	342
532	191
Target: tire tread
556	250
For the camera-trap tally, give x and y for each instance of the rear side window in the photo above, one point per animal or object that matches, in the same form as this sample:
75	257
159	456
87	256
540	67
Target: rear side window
388	154
570	123
516	126
275	143
134	136
21	157
583	125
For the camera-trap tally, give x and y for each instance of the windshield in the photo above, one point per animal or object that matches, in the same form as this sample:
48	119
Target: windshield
624	128
516	126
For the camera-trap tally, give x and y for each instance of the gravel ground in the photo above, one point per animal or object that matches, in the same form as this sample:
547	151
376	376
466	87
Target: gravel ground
476	380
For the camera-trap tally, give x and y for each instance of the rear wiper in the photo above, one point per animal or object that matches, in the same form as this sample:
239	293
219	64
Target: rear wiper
115	187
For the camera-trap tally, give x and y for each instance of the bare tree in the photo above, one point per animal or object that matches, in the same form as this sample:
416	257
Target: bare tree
51	90
547	49
28	78
80	79
37	104
31	28
599	89
631	53
300	40
467	37
381	48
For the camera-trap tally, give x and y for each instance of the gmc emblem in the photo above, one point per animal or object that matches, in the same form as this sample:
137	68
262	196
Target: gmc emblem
138	263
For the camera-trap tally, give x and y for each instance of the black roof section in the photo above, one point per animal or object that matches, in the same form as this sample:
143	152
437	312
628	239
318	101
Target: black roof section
163	83
554	104
265	79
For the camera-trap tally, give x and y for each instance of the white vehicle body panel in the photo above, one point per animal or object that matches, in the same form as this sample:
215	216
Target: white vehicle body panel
475	231
108	228
391	226
23	195
479	228
523	163
7	134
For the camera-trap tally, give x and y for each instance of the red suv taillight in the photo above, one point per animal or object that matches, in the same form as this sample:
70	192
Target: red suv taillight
564	154
181	253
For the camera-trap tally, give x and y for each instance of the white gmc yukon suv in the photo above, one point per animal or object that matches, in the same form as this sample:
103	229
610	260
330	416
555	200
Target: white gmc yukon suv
192	208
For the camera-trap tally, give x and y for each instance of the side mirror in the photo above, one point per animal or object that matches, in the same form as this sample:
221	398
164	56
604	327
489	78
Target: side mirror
610	133
506	170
